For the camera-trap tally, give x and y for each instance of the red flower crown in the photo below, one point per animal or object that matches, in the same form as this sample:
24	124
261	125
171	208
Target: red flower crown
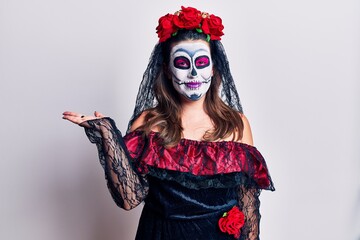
191	19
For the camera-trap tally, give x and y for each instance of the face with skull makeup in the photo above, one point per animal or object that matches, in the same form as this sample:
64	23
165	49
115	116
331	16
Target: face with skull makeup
191	68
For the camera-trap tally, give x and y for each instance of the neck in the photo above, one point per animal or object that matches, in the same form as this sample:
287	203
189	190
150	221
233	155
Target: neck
194	120
193	107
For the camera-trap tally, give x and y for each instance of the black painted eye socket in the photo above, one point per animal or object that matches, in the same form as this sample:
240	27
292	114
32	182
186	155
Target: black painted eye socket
182	62
202	62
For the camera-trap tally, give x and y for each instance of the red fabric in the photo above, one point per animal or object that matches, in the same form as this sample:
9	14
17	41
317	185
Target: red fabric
199	158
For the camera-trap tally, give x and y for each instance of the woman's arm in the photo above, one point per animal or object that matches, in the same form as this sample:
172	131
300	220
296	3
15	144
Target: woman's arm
127	187
250	206
247	135
249	196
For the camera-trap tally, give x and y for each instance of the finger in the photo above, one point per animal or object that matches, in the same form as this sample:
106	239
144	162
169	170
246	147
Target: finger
97	114
68	113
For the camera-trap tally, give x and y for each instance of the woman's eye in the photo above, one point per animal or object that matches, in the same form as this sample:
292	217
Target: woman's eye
202	62
182	63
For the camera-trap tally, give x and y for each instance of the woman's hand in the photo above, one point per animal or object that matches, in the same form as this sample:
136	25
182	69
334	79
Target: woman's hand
80	119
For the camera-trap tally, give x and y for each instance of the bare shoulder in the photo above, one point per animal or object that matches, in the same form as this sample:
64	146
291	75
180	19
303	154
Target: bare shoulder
247	135
142	119
139	121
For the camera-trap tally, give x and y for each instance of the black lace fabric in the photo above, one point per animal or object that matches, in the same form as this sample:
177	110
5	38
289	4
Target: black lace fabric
250	204
127	187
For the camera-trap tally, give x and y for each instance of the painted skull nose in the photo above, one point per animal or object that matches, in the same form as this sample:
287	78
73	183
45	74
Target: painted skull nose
193	73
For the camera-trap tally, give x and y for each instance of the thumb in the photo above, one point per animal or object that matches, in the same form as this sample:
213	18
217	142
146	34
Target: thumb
97	114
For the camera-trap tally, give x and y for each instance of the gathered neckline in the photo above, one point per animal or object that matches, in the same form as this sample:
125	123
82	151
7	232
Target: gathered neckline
197	158
197	142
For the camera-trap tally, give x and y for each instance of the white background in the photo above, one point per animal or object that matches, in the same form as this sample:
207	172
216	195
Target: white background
296	66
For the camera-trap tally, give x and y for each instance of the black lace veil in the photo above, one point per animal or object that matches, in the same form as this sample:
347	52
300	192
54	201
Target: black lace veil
146	96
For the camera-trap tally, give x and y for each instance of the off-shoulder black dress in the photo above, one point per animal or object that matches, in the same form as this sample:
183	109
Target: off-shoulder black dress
186	188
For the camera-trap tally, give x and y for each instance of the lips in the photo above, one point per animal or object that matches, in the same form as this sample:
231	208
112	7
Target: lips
193	85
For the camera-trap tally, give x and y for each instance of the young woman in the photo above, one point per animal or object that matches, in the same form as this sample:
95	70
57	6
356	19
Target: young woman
188	151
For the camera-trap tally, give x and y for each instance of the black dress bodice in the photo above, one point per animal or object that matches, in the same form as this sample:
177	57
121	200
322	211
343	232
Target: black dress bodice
172	211
186	188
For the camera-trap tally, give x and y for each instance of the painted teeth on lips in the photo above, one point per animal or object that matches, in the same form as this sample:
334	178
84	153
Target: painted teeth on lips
193	85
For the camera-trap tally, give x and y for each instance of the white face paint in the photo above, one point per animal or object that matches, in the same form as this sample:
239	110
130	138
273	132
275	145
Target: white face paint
191	68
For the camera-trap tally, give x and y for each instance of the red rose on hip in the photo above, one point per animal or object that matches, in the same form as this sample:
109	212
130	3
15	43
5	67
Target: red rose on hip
232	221
188	18
213	26
165	27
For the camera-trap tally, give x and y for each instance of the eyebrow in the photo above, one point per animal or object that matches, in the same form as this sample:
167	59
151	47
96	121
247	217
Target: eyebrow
191	54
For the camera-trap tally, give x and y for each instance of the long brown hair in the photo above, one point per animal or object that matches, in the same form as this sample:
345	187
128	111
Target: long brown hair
166	116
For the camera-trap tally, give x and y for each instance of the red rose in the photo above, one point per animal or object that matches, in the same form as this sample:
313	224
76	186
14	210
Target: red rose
213	26
188	18
232	221
165	27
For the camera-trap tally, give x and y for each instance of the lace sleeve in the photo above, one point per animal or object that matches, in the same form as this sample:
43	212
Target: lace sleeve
250	206
127	187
